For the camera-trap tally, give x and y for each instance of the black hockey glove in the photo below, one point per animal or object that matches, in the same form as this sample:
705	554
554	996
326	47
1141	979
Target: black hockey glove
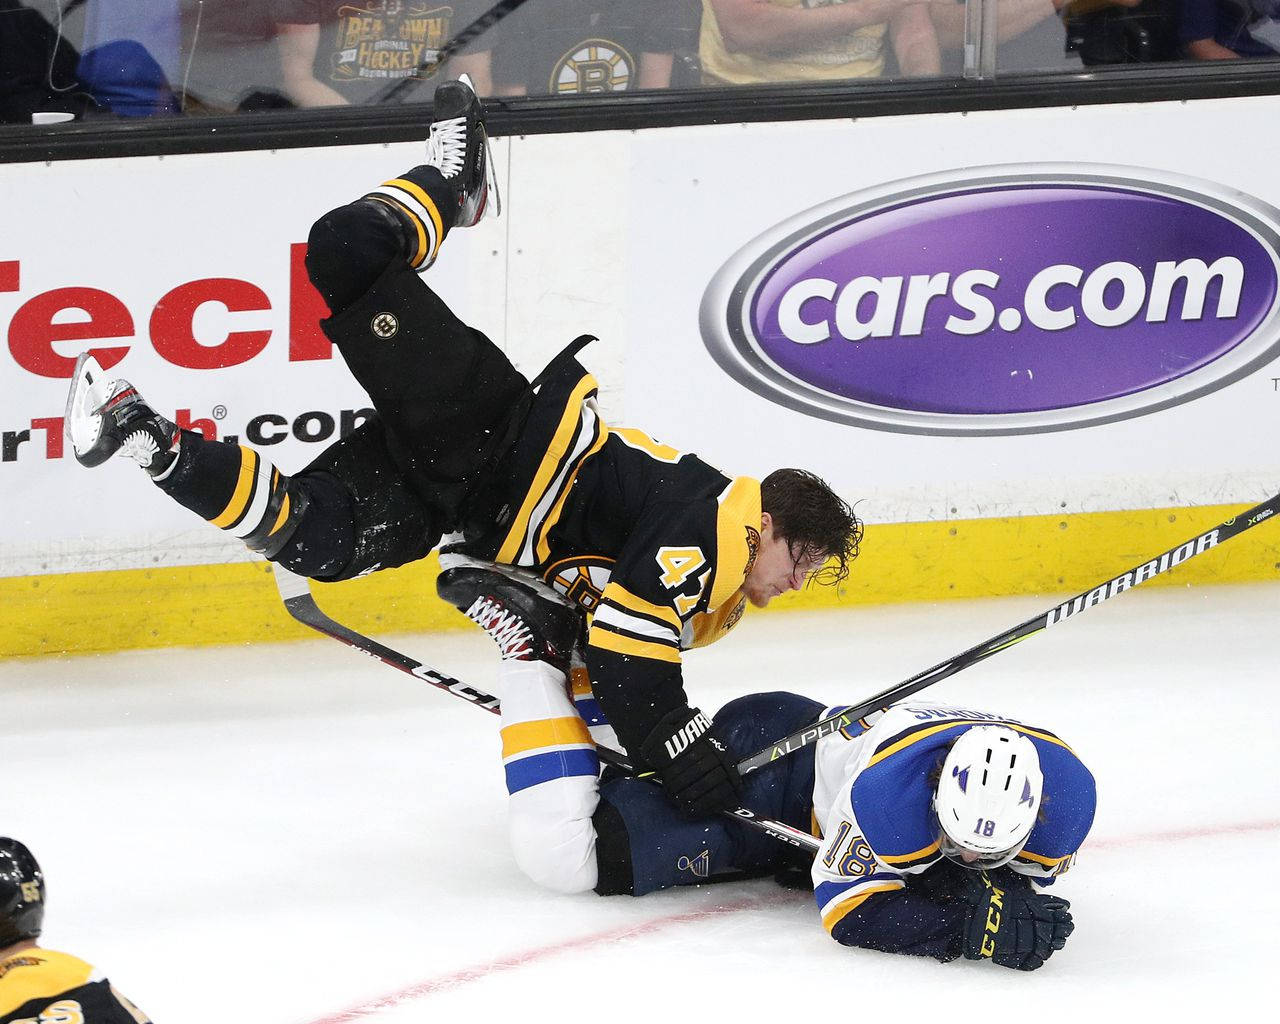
1015	927
696	769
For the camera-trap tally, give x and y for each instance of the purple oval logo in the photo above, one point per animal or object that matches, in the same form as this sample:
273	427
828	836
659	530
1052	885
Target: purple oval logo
1010	299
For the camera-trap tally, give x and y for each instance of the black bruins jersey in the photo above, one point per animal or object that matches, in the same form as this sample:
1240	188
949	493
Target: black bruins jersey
40	986
654	543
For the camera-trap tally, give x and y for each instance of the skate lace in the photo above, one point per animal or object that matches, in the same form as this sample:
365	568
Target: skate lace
447	146
510	632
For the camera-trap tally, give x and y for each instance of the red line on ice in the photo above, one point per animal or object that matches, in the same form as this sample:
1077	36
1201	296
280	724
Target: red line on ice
469	974
516	960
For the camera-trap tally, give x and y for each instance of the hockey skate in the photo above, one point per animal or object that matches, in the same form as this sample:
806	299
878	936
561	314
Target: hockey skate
526	619
458	146
105	416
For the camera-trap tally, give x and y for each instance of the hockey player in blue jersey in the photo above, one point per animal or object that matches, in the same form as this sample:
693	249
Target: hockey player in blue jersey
941	827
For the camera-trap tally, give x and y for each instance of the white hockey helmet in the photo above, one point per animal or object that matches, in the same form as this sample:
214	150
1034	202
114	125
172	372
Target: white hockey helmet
988	796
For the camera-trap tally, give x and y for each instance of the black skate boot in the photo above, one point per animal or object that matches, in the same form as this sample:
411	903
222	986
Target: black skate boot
105	416
459	147
527	620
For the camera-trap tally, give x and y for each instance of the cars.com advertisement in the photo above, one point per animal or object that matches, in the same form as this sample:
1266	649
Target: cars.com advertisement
1004	299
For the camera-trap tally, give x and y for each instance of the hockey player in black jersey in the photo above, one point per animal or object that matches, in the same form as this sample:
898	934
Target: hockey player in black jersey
661	549
40	985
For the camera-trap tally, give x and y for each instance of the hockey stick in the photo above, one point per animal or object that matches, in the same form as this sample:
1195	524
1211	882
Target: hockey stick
1134	577
478	27
301	604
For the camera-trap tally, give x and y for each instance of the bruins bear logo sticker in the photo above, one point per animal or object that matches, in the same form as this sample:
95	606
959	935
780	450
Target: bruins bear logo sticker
593	65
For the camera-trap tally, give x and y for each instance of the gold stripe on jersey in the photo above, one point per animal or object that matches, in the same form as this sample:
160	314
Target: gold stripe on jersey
846	907
39	974
1048	862
543	550
925	730
617	594
284	515
422	207
241	496
737	522
905	859
580	682
420	253
522	737
642	442
606	640
549	469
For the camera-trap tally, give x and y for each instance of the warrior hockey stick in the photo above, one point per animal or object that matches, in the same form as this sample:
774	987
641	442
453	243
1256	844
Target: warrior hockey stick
1081	602
301	604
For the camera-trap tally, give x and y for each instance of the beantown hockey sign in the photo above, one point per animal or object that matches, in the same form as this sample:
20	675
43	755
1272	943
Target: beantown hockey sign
1015	299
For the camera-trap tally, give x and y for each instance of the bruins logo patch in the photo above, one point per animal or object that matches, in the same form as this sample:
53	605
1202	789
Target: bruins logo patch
593	65
582	580
385	326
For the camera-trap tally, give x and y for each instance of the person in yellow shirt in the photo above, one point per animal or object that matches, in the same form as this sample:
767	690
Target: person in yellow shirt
748	42
37	985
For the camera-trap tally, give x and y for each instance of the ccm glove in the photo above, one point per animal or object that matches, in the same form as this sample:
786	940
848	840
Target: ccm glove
695	768
1015	928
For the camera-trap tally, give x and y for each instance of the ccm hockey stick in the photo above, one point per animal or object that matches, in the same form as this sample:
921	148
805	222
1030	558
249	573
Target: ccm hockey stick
1104	591
301	604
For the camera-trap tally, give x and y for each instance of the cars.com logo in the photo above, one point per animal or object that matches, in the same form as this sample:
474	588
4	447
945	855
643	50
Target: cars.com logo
1003	300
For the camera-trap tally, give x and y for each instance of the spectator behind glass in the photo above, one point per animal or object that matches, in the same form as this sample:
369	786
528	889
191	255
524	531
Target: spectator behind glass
1230	29
1031	36
565	47
335	52
37	65
132	56
231	62
755	41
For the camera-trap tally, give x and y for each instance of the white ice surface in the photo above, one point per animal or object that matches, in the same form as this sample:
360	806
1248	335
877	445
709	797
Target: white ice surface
294	834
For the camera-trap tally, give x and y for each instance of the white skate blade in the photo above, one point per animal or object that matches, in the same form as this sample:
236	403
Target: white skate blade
494	203
82	422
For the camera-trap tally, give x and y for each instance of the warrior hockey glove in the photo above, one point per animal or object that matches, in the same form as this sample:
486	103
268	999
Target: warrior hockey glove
696	769
1015	927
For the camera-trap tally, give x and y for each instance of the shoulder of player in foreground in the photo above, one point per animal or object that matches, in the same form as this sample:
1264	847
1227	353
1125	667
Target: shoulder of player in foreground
1067	808
33	974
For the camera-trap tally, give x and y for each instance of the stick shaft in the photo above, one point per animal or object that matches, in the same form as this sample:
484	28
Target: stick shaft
1082	602
300	603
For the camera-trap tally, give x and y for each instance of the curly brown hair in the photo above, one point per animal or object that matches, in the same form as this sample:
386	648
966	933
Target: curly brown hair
813	520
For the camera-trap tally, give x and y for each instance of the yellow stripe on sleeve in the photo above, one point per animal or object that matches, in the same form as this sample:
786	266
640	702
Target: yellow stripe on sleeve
1049	862
906	858
548	732
419	194
543	550
845	907
625	645
243	492
556	451
623	598
284	514
927	731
